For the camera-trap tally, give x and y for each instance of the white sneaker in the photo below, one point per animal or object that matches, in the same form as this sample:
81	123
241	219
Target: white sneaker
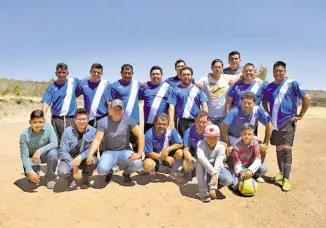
260	180
115	169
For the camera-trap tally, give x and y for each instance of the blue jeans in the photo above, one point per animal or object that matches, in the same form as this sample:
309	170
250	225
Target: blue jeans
224	178
260	172
51	158
121	158
65	169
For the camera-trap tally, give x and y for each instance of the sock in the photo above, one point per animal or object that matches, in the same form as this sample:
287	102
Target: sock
287	159
176	165
279	155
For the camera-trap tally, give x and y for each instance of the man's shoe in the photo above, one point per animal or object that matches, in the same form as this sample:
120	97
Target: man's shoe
278	177
50	184
126	178
108	178
260	180
205	197
286	185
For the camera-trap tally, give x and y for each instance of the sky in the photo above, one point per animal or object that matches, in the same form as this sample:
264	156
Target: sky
38	34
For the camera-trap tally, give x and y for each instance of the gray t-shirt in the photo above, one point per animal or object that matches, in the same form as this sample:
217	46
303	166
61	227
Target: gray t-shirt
116	134
228	70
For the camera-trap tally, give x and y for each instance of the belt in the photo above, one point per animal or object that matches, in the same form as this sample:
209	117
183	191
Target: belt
62	117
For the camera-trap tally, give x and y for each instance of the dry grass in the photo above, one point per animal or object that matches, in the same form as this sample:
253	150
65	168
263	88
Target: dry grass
22	88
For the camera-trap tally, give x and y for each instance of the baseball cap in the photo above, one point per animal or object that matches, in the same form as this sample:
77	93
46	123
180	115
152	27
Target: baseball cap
117	102
212	130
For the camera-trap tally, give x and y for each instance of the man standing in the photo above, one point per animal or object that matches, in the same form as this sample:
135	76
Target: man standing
282	96
116	129
234	61
215	86
96	92
186	100
38	144
163	146
176	80
127	90
61	95
210	154
248	84
74	148
191	138
155	95
237	117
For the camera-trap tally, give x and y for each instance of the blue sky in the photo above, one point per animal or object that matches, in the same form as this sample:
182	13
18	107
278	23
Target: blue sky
36	35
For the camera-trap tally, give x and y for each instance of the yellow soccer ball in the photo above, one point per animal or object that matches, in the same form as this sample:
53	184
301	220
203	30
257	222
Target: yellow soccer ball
247	187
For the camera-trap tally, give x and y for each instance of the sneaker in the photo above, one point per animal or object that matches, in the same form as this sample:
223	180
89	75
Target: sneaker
260	180
50	184
286	185
115	169
205	197
278	177
176	178
126	178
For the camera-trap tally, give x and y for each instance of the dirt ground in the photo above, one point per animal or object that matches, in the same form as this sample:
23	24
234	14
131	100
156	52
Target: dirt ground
166	204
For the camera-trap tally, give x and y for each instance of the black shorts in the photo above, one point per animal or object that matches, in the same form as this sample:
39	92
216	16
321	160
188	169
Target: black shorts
163	163
59	124
148	126
285	135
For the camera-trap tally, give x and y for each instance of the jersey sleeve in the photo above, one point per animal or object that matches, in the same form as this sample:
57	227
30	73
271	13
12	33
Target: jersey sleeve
230	92
113	93
47	96
230	117
263	116
175	136
102	124
186	138
148	141
173	97
131	123
298	90
203	97
107	92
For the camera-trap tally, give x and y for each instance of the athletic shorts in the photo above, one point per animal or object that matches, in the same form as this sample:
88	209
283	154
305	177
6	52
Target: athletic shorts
183	125
59	124
285	135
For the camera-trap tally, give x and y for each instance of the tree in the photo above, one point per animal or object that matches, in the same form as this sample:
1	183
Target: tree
262	73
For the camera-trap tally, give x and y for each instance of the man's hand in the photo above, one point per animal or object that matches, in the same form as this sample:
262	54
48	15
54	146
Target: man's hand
34	177
164	154
76	162
187	157
36	156
199	85
296	118
248	174
170	160
214	180
171	124
229	150
135	156
263	148
77	173
241	175
89	160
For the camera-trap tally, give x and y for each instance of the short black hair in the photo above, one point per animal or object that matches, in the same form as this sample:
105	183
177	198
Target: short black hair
162	116
216	61
81	111
249	95
234	53
97	66
187	68
156	68
249	64
179	61
201	114
247	126
61	66
127	67
38	113
279	63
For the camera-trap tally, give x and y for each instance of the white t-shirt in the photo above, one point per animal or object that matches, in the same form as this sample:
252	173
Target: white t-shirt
216	90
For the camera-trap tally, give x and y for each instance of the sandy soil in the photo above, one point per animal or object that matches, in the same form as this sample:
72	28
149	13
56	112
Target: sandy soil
166	204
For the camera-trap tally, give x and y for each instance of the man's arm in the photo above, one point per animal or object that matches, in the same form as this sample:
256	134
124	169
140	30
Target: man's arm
306	99
268	132
186	153
204	106
45	107
173	147
225	133
24	153
141	139
95	144
265	106
154	155
53	140
203	160
171	115
228	103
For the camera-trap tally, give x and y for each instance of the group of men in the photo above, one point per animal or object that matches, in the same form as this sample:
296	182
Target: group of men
206	127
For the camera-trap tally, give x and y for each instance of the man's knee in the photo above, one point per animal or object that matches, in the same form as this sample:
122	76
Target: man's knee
103	169
225	177
188	166
178	154
53	155
149	164
63	172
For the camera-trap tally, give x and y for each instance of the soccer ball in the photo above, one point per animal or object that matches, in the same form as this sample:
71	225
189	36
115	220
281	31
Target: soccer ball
248	187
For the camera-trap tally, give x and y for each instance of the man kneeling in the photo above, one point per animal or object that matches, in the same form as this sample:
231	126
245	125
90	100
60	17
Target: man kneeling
246	156
74	148
210	156
163	146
